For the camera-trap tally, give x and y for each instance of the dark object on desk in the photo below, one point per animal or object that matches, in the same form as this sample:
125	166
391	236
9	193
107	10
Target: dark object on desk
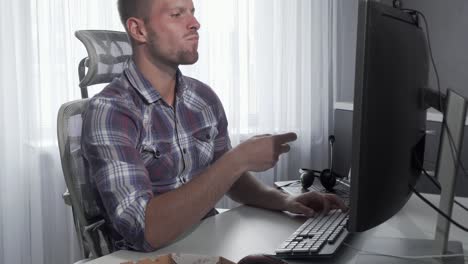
327	177
307	177
261	259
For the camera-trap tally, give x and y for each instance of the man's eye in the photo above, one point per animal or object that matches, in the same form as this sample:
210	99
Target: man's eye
175	15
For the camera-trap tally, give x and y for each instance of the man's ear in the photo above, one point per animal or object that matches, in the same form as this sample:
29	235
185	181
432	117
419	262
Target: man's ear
137	29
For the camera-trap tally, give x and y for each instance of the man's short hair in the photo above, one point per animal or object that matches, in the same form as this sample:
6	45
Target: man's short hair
133	8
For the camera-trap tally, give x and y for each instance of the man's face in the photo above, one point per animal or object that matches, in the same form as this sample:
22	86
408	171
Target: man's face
172	32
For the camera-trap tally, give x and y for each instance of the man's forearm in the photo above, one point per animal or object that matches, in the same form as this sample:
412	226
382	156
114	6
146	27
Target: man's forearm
248	190
172	213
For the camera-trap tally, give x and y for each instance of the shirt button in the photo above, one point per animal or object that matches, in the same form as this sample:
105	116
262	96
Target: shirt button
207	136
184	150
157	154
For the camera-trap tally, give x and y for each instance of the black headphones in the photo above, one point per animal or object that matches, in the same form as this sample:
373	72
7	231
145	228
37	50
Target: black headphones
327	176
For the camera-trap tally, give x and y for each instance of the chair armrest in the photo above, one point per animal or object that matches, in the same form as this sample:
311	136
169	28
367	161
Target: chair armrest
94	226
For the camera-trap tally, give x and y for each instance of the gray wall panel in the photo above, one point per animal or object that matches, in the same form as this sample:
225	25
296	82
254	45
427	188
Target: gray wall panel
342	154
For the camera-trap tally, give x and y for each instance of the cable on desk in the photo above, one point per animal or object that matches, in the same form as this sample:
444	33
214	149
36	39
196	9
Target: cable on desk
438	210
434	181
437	184
365	252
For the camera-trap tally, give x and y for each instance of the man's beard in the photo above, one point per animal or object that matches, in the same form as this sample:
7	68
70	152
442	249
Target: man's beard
182	57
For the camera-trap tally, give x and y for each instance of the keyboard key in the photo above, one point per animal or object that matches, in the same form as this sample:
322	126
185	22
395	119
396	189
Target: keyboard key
334	236
300	250
283	250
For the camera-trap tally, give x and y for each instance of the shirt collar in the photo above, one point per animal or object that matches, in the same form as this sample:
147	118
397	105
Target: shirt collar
144	87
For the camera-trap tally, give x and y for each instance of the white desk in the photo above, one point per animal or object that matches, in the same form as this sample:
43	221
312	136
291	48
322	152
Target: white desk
247	230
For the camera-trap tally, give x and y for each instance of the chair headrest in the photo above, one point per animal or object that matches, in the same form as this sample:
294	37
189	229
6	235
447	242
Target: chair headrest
108	52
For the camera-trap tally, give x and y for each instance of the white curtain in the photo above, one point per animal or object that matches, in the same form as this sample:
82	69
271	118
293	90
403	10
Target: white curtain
268	60
270	63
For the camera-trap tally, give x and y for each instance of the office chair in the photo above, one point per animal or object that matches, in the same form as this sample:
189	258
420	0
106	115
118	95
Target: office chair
107	53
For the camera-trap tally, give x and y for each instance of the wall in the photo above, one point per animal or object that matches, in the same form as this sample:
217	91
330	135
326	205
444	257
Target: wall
448	21
342	132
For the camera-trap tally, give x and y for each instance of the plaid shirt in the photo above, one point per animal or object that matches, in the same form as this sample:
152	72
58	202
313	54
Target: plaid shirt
136	146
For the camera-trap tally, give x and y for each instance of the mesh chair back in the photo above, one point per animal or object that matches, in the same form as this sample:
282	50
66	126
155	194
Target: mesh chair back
89	218
107	53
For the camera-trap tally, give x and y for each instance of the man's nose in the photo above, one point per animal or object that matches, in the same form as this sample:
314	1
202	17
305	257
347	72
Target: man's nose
194	24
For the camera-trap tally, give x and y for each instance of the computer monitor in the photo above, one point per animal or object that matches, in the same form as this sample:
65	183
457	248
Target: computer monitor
389	115
389	124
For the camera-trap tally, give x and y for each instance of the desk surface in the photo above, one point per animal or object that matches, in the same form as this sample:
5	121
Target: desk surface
246	230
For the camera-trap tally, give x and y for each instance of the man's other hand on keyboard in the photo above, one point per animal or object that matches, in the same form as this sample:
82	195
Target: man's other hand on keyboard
311	203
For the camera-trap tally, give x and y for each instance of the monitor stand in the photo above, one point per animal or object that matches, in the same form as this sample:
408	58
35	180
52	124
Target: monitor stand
448	160
447	164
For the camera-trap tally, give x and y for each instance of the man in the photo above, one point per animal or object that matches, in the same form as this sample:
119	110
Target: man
156	142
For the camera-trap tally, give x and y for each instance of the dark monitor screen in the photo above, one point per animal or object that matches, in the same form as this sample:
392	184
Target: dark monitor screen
389	115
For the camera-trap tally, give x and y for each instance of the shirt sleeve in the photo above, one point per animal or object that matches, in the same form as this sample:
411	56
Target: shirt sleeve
109	142
222	142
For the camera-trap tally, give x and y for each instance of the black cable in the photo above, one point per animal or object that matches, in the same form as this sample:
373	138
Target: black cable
434	181
420	166
438	210
430	53
437	184
436	72
453	149
431	178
